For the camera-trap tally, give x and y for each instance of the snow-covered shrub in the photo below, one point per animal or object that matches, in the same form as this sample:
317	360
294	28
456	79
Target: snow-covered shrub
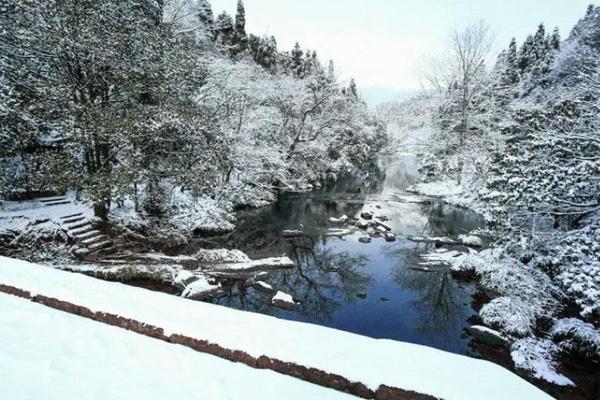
537	357
525	293
574	335
511	315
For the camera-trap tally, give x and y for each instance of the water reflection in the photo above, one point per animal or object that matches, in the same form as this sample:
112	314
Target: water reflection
372	289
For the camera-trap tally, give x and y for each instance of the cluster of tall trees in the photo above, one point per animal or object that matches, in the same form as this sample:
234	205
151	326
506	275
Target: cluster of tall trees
135	99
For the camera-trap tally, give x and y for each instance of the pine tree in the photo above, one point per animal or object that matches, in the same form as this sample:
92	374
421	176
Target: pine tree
205	15
555	39
352	89
331	72
240	38
590	10
512	69
526	57
297	61
224	30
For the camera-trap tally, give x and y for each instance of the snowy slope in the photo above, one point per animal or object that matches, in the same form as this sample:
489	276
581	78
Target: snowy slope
372	362
51	355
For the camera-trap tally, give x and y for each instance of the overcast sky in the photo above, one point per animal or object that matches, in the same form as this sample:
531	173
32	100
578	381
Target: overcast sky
381	42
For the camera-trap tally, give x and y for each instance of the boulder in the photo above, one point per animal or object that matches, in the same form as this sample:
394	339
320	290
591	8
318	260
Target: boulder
264	287
362	224
341	220
389	237
365	240
202	289
366	215
380	224
489	336
292	233
283	300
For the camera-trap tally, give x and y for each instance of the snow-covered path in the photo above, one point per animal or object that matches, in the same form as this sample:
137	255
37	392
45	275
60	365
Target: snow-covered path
356	358
51	355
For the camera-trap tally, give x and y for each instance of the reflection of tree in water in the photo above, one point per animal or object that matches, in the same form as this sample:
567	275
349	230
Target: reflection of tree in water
439	300
449	220
321	281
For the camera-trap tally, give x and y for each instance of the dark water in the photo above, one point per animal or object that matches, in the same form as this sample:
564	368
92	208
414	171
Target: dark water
369	289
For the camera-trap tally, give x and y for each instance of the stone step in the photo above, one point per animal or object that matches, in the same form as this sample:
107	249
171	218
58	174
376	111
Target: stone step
52	199
81	252
79	224
100	245
73	219
57	203
64	217
107	251
93	240
76	233
88	234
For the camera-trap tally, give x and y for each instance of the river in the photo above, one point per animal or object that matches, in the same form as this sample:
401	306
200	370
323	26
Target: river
376	289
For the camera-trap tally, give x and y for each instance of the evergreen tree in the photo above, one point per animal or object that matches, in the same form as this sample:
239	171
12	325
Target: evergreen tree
205	15
240	38
555	40
297	61
224	30
352	89
263	51
526	57
331	72
590	10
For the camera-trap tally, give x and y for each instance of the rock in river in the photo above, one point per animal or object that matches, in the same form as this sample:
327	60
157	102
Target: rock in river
362	224
341	220
367	215
489	336
283	300
365	240
389	237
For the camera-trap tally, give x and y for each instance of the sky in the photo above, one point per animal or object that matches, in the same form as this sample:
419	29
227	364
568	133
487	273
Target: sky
382	42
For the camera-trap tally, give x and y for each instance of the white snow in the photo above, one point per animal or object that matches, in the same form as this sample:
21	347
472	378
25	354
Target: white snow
358	358
535	356
437	189
51	355
470	240
265	285
283	297
200	288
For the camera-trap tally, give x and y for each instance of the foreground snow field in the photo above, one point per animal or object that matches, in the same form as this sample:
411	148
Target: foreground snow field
360	359
52	355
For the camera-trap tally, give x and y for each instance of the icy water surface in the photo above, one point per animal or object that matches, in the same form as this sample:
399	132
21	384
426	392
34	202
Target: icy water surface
375	289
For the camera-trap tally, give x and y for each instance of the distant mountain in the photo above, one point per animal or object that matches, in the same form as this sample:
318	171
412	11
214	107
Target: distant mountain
376	95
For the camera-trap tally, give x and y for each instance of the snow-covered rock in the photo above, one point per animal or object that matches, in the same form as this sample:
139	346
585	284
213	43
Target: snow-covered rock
367	215
436	189
218	256
470	240
343	219
489	336
202	289
283	300
389	237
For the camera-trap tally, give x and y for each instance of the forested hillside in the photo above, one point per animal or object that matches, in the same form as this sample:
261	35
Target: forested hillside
159	106
521	140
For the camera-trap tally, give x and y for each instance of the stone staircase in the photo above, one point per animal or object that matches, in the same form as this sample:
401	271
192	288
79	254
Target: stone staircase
54	201
91	242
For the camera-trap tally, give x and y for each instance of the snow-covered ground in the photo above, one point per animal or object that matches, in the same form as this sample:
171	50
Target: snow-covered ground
51	355
357	358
